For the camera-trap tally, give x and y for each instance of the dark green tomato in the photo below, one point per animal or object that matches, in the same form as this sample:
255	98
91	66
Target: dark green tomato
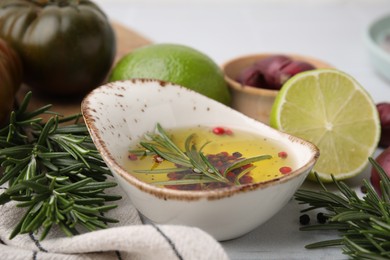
66	47
10	79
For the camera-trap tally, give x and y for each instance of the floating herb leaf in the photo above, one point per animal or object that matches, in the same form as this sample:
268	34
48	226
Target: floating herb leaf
192	162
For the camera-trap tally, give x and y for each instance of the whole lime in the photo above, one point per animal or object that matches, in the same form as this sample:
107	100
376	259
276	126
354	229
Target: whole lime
177	64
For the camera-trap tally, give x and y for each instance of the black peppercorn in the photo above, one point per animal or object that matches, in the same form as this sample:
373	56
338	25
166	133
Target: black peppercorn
321	218
304	219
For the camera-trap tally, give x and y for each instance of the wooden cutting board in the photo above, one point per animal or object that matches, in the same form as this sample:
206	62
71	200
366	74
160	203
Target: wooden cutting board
127	40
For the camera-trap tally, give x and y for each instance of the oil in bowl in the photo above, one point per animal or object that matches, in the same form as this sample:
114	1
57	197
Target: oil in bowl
206	158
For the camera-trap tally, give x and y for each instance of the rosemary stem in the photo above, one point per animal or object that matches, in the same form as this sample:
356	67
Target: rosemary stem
53	171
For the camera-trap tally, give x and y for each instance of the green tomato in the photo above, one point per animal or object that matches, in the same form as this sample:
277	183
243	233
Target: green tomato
67	47
10	79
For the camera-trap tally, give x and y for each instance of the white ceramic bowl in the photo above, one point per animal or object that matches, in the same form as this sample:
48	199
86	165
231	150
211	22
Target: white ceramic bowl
374	41
119	113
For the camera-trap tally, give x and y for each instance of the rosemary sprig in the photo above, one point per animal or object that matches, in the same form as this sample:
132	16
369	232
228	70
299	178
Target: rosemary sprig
363	223
192	159
54	171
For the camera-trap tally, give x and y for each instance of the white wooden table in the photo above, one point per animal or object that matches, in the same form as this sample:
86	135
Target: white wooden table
329	30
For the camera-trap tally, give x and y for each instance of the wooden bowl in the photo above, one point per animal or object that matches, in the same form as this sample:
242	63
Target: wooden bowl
252	101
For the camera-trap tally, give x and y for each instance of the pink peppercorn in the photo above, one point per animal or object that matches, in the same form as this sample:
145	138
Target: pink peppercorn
218	130
222	131
158	159
228	132
285	170
282	155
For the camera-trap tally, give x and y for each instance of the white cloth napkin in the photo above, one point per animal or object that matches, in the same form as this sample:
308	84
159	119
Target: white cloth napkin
128	239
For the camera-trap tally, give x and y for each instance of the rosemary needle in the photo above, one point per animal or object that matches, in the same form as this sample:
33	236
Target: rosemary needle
54	171
192	159
363	223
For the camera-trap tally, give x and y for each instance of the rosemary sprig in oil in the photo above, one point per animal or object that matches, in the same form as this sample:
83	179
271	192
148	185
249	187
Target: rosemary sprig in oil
54	171
192	159
363	223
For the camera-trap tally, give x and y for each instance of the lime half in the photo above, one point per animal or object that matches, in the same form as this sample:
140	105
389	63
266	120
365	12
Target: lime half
332	110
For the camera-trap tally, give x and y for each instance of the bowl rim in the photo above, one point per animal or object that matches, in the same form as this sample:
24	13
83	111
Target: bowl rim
166	193
263	91
372	43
